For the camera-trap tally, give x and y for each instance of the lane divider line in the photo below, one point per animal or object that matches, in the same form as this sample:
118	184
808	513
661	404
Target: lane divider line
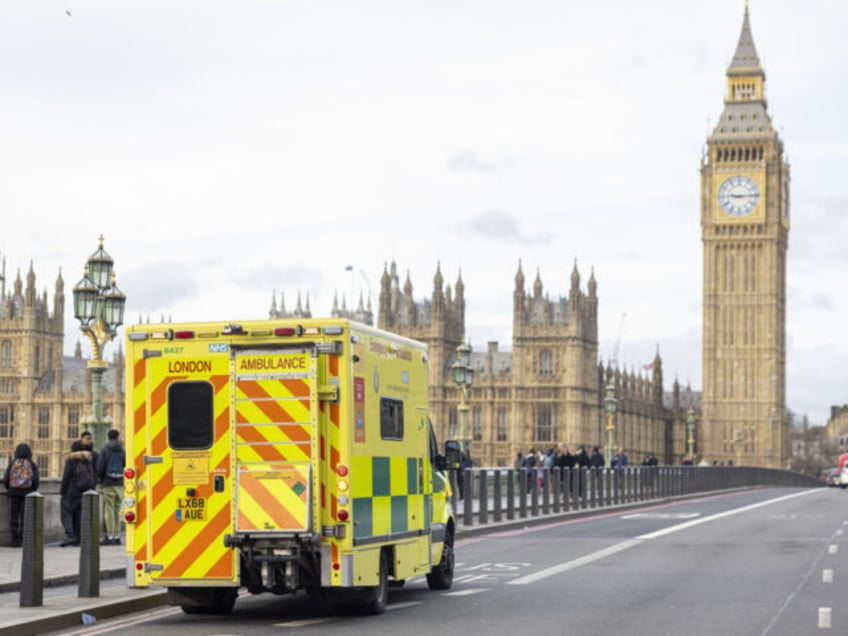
630	543
827	576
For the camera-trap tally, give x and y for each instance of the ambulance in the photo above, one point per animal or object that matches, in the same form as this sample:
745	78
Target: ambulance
280	456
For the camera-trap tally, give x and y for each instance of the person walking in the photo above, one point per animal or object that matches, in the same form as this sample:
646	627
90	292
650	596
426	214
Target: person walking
110	476
21	479
77	478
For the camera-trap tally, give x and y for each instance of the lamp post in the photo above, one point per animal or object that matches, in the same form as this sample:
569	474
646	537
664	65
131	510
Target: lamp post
610	405
99	306
690	427
463	377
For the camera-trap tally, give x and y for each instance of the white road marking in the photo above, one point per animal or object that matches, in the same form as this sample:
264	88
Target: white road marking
833	549
840	532
626	545
466	592
395	606
824	618
304	623
576	563
827	576
662	515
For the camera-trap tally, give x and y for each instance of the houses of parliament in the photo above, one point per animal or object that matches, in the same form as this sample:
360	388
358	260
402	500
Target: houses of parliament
549	385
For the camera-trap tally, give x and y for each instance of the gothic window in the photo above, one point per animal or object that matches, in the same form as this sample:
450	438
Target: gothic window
37	367
43	463
43	422
477	423
73	422
546	362
546	427
7	422
452	423
6	355
503	429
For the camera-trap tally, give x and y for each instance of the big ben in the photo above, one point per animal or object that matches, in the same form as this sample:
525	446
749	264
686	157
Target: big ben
744	230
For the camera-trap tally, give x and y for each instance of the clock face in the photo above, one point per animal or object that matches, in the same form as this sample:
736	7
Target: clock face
738	195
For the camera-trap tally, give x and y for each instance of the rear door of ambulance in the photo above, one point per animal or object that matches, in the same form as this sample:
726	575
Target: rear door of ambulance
277	441
186	507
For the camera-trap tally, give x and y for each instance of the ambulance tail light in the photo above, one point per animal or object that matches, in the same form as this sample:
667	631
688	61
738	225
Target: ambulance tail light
129	473
183	334
285	331
129	516
341	470
343	515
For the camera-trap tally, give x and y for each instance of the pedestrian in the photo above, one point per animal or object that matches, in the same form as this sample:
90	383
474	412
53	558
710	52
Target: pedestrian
565	460
529	467
620	459
77	479
465	464
21	479
110	475
581	460
596	460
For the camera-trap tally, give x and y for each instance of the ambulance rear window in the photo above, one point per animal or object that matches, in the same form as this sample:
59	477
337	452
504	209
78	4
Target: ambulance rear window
391	418
190	421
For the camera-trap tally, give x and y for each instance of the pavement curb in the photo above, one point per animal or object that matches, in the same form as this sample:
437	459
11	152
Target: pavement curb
99	608
68	579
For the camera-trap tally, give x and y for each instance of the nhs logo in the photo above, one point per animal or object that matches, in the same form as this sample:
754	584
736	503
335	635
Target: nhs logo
218	347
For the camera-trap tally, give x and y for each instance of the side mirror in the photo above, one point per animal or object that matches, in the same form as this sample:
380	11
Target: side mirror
440	463
453	454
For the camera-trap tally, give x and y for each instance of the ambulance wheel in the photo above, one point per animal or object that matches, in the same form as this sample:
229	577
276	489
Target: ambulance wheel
377	597
441	576
223	601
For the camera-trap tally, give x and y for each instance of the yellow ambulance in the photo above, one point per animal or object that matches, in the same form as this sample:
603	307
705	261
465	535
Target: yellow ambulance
282	455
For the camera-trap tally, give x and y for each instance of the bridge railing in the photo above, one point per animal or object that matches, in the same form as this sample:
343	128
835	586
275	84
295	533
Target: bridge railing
491	495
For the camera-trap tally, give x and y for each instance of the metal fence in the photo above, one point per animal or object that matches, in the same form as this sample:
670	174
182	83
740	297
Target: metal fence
491	495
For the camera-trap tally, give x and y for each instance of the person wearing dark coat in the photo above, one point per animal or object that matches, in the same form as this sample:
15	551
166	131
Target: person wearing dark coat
16	494
78	478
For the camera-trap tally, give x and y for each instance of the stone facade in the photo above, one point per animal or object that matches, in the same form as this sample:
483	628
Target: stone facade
549	388
44	394
745	227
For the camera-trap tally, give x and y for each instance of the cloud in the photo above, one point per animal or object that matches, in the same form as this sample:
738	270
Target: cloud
157	286
467	161
496	225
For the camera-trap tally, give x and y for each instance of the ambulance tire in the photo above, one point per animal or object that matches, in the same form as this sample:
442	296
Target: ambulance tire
224	599
365	600
377	597
441	576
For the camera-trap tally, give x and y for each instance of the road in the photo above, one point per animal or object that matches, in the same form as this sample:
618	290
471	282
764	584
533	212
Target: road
769	562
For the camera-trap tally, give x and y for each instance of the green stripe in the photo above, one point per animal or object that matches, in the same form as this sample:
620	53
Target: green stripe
400	519
380	477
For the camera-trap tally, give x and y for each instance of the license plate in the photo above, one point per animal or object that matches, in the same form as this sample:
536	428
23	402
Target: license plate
191	509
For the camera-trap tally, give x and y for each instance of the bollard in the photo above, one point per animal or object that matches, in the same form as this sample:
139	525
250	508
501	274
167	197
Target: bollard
89	563
566	488
483	498
467	497
522	493
556	488
510	494
546	491
32	558
534	494
496	487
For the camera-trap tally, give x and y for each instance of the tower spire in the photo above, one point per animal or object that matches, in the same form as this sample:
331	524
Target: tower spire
745	56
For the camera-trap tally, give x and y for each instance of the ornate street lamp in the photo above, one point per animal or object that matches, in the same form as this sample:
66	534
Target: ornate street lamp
463	377
690	427
610	405
99	307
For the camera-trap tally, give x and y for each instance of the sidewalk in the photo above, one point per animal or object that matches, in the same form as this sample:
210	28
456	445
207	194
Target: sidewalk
61	607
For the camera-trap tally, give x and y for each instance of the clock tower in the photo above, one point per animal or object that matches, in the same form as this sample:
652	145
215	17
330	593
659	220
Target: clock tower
744	230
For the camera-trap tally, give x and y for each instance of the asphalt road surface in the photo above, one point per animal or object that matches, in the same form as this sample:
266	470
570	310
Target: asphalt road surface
768	562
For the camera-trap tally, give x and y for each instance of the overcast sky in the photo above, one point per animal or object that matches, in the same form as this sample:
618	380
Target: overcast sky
228	150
